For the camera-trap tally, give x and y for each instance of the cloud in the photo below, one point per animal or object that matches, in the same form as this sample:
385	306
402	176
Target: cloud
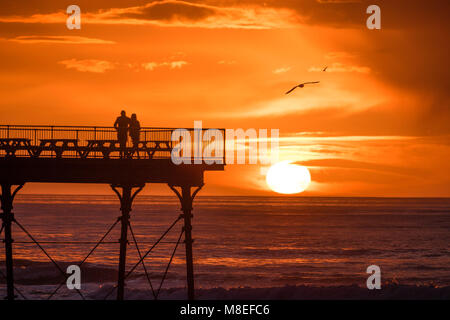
238	13
59	39
150	66
179	14
339	1
57	17
101	66
336	13
321	97
340	67
281	70
294	140
176	64
88	65
353	164
227	62
352	13
339	55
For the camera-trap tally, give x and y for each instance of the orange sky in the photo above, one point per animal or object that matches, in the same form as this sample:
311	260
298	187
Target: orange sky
376	125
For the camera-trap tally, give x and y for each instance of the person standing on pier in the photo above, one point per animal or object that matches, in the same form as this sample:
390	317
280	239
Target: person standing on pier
122	124
134	130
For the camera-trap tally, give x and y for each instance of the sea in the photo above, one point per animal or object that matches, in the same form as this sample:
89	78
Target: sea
241	244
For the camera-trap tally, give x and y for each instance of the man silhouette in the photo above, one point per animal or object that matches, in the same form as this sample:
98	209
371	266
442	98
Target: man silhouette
122	123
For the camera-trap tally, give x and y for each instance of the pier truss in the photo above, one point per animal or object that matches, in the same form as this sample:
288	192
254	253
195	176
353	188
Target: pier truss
68	154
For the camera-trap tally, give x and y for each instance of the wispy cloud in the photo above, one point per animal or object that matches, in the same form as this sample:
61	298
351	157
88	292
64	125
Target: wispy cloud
101	66
340	67
88	65
58	39
179	14
171	64
227	62
339	55
339	1
293	139
306	100
281	70
57	17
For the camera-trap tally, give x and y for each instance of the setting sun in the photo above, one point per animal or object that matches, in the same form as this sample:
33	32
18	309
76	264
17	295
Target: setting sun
284	177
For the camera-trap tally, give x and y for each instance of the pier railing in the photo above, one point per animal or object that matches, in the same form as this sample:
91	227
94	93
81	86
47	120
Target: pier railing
86	142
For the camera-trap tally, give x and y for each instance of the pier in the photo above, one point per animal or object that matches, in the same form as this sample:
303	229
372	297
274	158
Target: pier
69	154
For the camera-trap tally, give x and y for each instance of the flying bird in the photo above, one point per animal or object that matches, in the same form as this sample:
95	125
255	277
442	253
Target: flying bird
301	85
325	69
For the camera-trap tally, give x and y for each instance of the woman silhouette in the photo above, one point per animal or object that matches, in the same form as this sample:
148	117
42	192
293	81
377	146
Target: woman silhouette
134	130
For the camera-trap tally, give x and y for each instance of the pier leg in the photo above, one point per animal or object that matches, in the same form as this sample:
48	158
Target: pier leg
125	208
186	199
126	200
7	218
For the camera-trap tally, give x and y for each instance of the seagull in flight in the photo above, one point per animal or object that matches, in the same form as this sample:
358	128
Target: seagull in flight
325	69
301	85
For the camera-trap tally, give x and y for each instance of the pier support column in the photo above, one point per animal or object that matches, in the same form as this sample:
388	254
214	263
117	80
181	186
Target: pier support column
186	199
7	217
126	200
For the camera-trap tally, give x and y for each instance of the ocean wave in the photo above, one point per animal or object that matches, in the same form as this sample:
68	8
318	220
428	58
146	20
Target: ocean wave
387	292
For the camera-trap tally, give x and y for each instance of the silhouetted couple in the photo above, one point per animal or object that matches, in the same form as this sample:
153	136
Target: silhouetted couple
125	126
